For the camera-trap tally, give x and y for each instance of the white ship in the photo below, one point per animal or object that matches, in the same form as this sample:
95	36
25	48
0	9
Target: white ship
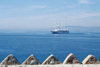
60	31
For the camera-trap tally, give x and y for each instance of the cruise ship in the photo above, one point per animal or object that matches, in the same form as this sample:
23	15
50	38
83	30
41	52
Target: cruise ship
60	31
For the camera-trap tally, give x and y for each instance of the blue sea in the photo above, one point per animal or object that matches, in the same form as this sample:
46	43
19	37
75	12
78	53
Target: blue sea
42	44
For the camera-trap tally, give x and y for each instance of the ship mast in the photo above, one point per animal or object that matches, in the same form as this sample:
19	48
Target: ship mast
55	24
64	23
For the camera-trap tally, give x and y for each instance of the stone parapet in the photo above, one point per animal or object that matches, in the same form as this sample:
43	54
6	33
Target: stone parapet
58	65
51	60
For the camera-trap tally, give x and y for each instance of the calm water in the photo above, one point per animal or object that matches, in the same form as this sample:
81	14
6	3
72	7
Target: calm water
44	44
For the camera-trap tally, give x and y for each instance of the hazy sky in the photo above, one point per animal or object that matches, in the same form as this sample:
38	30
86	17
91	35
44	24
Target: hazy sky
40	14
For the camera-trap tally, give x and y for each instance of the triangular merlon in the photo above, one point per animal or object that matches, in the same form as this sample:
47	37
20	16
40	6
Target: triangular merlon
31	60
71	59
10	60
90	59
51	60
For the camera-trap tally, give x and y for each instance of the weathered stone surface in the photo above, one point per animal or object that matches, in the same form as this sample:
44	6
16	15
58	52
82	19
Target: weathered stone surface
51	60
90	59
71	59
31	60
58	65
10	60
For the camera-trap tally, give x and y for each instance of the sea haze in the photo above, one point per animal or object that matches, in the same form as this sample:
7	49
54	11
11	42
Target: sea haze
81	41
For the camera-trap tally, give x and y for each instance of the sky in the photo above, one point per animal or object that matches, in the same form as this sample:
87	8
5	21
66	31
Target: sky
40	14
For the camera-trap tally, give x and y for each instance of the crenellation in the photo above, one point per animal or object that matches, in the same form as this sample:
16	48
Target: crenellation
90	59
71	59
31	60
51	61
10	60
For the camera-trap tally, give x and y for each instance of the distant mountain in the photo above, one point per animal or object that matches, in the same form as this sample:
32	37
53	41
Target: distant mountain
81	29
71	29
83	26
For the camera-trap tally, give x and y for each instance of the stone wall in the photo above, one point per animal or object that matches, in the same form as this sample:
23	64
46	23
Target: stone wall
51	60
59	65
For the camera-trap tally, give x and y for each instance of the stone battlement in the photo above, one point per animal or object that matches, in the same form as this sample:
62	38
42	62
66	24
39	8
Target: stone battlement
59	65
51	61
